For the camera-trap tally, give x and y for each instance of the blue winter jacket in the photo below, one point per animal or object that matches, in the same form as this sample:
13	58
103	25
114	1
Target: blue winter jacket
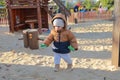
61	47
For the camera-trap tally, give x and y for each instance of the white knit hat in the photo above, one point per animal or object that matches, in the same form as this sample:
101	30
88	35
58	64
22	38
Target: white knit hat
58	23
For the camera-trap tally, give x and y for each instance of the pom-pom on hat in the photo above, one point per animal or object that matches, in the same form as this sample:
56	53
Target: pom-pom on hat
58	22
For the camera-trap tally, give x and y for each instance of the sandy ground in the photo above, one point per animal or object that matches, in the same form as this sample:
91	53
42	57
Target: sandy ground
91	62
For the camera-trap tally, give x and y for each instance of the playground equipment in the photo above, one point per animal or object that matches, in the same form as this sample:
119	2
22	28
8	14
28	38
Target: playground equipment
30	13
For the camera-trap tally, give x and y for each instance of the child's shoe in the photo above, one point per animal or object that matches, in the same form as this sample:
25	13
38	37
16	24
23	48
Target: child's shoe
69	67
57	66
56	70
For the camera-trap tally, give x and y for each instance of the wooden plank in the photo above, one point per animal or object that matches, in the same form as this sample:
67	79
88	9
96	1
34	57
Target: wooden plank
21	7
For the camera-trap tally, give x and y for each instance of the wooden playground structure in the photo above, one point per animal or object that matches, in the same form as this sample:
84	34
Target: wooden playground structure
30	13
27	13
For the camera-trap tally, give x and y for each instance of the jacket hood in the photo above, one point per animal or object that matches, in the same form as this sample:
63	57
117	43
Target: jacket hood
60	16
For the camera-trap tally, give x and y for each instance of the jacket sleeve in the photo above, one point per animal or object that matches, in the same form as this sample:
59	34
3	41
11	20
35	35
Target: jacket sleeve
49	39
72	39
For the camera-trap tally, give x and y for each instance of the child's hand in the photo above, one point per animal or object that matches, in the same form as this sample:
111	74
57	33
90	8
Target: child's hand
43	45
71	48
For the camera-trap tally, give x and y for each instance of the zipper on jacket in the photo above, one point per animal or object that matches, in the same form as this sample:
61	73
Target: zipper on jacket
59	39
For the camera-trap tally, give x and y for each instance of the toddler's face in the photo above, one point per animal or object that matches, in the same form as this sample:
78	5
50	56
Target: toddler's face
58	28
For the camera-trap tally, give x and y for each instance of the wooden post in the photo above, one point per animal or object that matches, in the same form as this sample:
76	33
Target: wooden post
116	36
39	16
25	38
10	19
33	39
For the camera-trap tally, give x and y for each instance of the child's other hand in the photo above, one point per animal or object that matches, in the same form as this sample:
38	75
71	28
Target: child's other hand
43	45
71	48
